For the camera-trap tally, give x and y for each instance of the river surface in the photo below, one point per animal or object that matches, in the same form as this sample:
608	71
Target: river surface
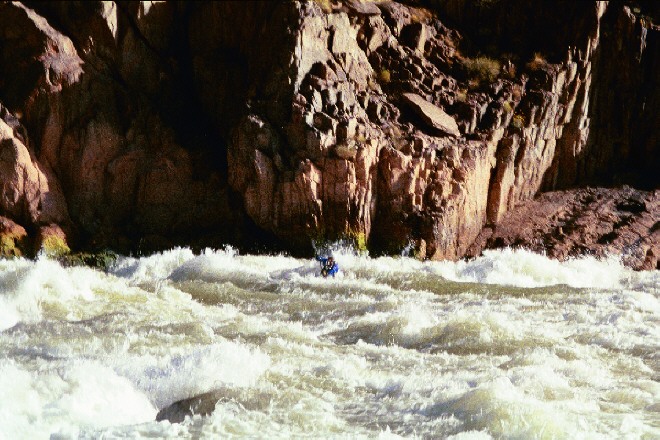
510	345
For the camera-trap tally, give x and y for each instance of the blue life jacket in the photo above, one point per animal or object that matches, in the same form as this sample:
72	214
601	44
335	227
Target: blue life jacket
328	268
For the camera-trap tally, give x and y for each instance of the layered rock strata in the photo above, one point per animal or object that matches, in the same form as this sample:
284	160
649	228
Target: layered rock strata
142	125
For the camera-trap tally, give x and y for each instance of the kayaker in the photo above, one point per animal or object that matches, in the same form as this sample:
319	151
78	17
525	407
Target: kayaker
328	266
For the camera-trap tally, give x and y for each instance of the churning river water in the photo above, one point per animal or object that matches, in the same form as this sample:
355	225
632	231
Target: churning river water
510	345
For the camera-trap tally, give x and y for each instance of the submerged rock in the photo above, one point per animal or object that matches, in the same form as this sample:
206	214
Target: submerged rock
203	405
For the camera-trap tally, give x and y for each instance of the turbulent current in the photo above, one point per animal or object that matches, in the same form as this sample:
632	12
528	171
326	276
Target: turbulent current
510	345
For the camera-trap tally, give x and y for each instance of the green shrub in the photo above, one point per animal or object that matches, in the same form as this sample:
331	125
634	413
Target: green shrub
324	242
54	246
326	5
538	62
358	240
10	246
518	121
346	151
99	260
482	68
384	76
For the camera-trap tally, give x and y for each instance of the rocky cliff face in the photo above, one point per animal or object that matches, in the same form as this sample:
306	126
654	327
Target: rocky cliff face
148	124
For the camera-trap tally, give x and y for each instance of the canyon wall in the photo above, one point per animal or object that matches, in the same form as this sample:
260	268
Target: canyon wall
138	126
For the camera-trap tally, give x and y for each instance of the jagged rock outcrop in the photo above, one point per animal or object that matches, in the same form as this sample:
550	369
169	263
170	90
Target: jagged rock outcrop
608	54
30	193
149	124
623	141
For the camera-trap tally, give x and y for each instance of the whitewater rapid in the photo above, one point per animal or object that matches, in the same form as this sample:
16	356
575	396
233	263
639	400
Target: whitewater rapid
510	345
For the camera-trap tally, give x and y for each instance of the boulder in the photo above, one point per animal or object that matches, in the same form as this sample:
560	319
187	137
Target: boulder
34	57
361	7
203	405
433	115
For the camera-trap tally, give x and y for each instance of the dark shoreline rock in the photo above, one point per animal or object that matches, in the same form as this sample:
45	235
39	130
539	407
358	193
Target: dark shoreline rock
587	221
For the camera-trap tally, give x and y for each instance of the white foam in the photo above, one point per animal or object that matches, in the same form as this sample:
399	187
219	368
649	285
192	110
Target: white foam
26	287
513	267
470	435
526	269
502	410
153	268
77	395
213	266
380	352
168	378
